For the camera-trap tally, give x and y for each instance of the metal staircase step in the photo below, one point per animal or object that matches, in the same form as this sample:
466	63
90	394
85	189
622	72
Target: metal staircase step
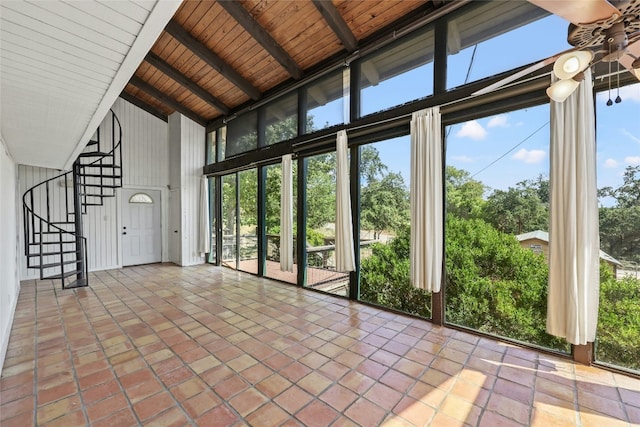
56	264
94	154
63	276
100	185
79	283
62	222
53	243
53	232
44	254
97	175
93	142
102	165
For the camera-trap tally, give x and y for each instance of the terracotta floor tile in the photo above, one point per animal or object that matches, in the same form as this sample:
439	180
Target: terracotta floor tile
317	413
201	403
221	415
414	411
273	385
57	409
365	413
163	345
383	396
247	401
230	387
339	397
292	399
153	405
268	414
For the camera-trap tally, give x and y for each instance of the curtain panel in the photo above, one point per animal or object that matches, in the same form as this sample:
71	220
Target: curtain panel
204	235
426	250
572	306
345	255
286	215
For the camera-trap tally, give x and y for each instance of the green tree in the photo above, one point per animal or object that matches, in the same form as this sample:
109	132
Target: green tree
619	230
618	335
463	193
517	210
384	204
494	285
385	278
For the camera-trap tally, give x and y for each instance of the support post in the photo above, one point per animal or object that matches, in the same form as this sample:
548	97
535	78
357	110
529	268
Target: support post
77	219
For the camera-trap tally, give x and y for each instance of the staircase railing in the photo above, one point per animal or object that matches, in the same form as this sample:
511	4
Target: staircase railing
53	226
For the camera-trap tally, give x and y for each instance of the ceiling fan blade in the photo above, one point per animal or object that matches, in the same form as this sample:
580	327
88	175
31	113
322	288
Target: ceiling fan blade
521	73
633	51
579	11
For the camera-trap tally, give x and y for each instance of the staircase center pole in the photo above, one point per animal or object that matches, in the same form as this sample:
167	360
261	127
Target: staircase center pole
77	218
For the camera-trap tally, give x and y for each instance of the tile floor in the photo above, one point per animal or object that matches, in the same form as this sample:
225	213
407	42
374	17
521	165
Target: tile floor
168	346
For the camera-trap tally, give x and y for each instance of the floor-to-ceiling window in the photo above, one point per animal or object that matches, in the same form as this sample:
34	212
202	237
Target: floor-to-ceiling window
320	220
618	157
385	228
496	233
229	218
273	185
248	218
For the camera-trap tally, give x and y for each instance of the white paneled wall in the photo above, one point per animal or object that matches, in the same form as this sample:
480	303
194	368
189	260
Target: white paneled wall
145	149
186	140
9	282
145	158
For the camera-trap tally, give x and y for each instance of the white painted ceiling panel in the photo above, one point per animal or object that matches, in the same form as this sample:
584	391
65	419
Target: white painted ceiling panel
62	66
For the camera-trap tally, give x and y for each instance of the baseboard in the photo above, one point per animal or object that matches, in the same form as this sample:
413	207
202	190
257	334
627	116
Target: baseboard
4	344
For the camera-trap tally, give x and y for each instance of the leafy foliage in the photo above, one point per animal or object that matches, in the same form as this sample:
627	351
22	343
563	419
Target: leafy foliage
618	336
384	278
384	204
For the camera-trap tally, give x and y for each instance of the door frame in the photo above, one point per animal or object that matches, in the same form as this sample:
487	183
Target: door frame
164	230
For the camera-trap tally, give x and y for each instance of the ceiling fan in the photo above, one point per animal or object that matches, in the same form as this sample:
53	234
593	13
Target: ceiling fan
600	31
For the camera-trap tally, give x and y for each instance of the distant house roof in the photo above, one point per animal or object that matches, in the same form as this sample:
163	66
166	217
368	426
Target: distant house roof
544	236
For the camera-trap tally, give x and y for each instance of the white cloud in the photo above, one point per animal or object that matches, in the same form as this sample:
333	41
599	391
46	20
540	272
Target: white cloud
632	160
610	163
463	159
530	156
473	130
498	121
630	135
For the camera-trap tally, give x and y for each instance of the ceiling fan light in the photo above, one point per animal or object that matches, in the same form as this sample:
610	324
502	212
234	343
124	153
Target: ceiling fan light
560	90
572	63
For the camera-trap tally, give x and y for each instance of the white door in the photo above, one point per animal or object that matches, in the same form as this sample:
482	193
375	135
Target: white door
141	227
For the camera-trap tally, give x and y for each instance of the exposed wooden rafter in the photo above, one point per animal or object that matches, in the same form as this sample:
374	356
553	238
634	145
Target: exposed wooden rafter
144	106
337	24
160	96
244	18
214	61
183	80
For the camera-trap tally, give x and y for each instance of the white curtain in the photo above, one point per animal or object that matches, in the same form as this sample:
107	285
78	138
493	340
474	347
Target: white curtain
204	239
426	200
345	257
572	306
286	215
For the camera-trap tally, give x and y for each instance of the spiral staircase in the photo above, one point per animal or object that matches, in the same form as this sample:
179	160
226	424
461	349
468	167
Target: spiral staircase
53	209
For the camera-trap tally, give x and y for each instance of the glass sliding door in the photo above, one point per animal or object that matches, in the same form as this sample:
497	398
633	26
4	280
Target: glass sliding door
320	226
229	218
272	224
248	217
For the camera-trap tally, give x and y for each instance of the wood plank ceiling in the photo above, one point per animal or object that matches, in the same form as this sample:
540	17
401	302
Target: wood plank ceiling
215	56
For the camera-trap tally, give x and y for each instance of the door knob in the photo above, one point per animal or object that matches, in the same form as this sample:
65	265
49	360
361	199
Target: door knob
124	232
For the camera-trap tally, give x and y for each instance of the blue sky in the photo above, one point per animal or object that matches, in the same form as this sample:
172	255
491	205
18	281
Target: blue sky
520	138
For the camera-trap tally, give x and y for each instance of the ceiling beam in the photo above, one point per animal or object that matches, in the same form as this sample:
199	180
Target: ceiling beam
339	26
160	96
144	106
183	80
214	61
244	18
